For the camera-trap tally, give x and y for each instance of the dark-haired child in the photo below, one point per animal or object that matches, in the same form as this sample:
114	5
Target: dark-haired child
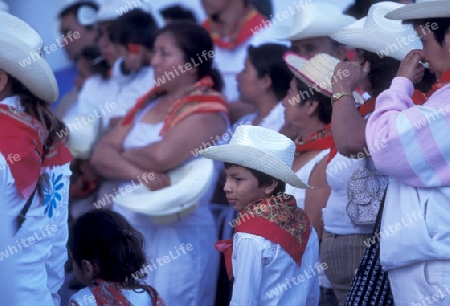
274	254
107	256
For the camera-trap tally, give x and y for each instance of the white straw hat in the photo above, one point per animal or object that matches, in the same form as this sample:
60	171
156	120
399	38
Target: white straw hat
314	20
379	35
316	72
83	136
260	149
20	56
188	184
112	9
421	10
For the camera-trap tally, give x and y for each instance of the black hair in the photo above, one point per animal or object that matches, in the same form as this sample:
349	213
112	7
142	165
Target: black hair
107	239
268	60
194	40
308	94
134	27
98	65
263	6
382	71
360	8
74	9
177	12
263	179
438	26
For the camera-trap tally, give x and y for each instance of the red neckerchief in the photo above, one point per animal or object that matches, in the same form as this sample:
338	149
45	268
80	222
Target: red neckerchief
278	219
243	29
22	145
198	98
443	80
320	140
110	294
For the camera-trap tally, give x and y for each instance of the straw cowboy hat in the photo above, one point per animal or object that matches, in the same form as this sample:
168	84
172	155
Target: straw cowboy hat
20	47
379	35
260	149
112	9
316	72
421	10
189	183
314	20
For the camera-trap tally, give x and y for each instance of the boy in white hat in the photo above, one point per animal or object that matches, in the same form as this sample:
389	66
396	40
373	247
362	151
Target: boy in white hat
273	256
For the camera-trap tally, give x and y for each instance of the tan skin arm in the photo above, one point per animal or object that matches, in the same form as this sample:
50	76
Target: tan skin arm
316	199
178	143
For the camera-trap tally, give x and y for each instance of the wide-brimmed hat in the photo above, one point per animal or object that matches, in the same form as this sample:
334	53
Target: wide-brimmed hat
316	72
112	9
379	35
83	135
259	149
314	20
421	10
21	57
188	184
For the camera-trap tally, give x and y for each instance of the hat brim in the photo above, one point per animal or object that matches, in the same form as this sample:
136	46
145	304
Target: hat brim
254	159
377	43
189	183
421	10
16	58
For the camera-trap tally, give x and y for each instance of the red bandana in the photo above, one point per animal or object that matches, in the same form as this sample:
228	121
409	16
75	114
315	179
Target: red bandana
197	99
22	145
110	294
277	219
245	28
443	80
320	140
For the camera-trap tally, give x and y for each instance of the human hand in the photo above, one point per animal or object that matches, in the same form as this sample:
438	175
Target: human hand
411	68
155	180
348	76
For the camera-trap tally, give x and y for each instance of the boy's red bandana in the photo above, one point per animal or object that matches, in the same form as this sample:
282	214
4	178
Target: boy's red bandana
278	219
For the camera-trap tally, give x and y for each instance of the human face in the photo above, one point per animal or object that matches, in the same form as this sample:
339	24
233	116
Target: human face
295	111
437	56
110	51
214	7
250	87
135	59
241	188
166	60
68	26
309	47
84	72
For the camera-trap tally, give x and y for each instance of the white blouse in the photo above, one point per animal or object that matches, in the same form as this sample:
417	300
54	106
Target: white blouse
265	274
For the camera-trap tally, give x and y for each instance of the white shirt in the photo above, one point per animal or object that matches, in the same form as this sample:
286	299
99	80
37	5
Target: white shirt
85	297
266	275
273	121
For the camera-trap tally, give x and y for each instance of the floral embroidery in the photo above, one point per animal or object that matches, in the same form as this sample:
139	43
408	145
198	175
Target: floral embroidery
54	195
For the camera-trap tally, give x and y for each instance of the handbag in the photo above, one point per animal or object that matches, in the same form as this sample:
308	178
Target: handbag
370	286
365	191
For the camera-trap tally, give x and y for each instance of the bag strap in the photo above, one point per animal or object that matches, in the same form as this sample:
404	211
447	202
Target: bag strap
20	219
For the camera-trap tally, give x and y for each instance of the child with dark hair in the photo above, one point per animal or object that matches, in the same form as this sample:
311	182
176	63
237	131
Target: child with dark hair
134	32
107	254
273	255
90	62
177	12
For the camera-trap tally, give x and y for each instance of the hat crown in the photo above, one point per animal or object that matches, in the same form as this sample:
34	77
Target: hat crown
268	141
376	21
19	30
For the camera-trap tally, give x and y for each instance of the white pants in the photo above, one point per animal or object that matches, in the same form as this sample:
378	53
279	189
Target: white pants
425	283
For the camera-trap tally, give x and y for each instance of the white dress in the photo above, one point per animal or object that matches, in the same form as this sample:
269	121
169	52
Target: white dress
182	261
273	121
38	251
